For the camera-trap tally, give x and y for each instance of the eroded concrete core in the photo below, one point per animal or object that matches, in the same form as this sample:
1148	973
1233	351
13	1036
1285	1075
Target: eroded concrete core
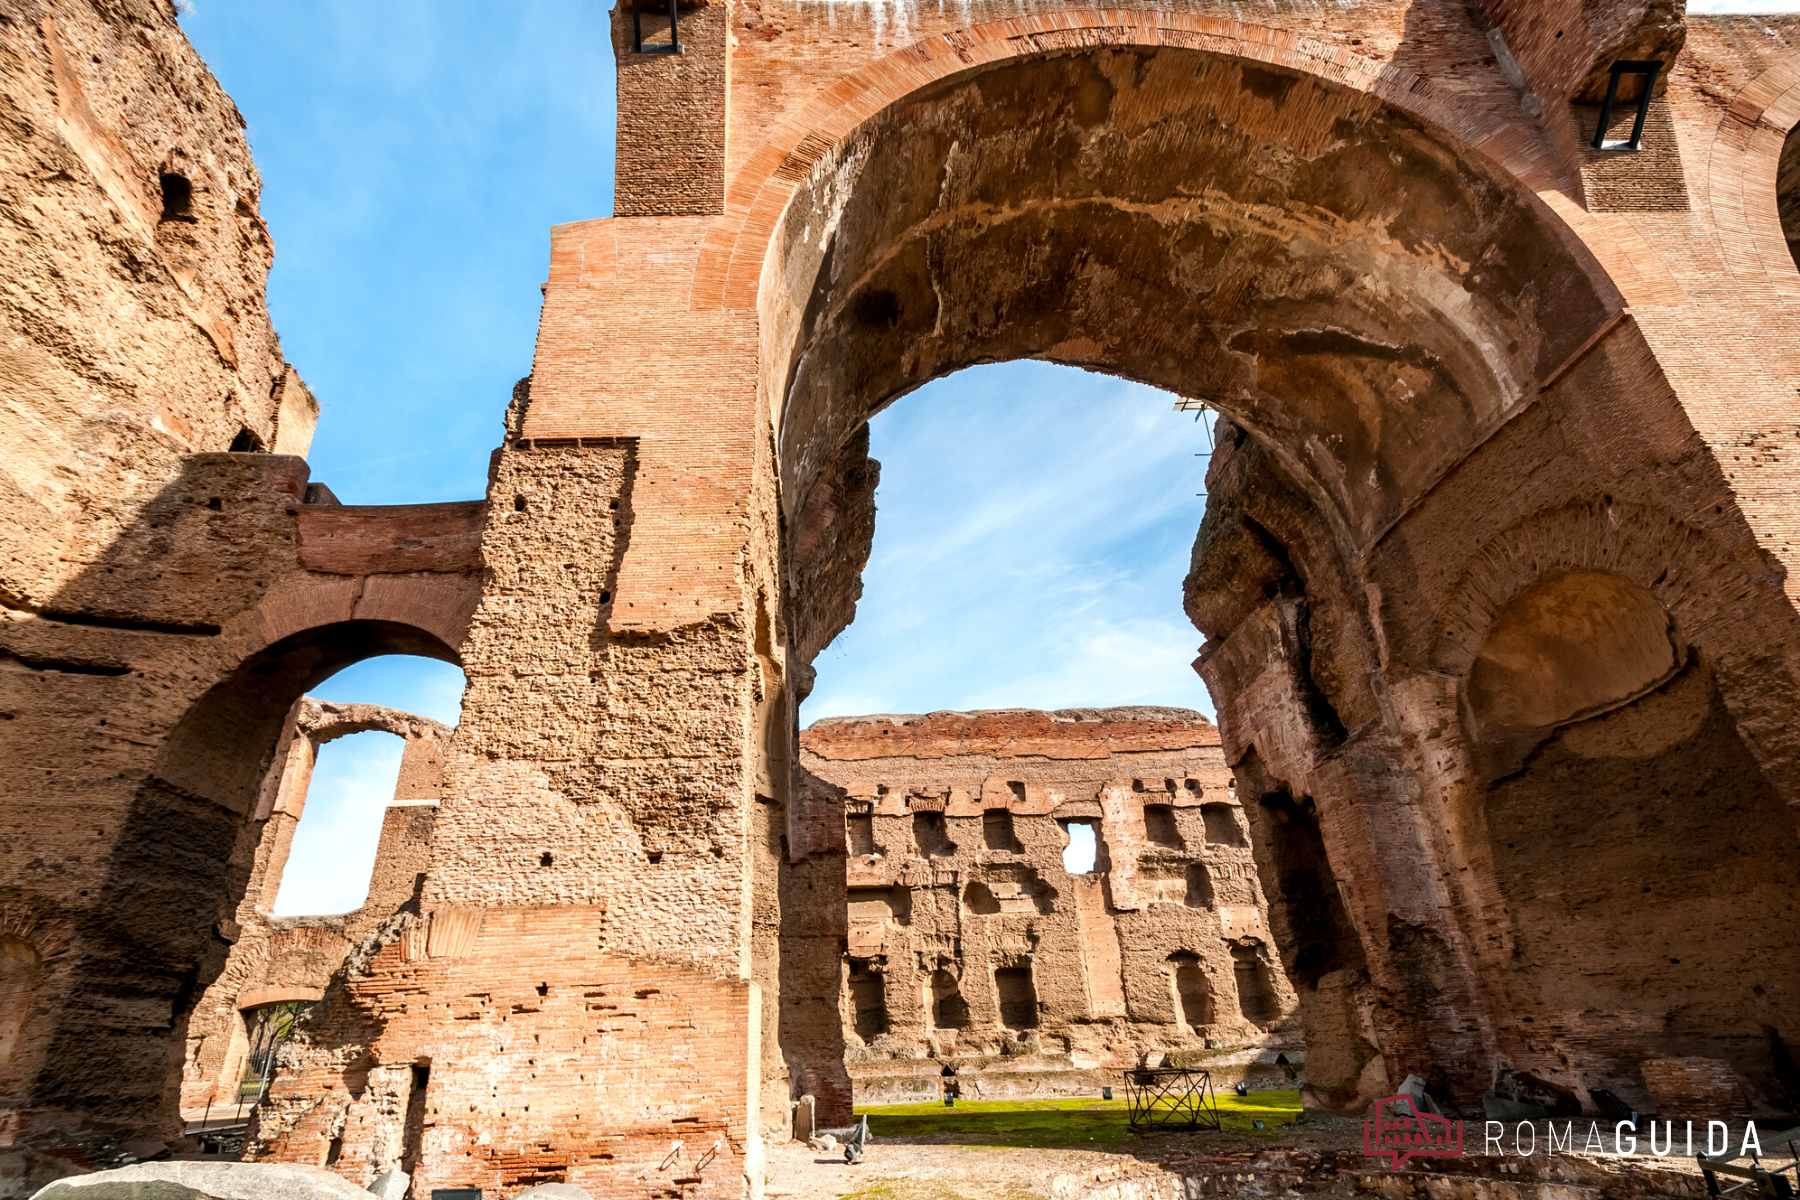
972	944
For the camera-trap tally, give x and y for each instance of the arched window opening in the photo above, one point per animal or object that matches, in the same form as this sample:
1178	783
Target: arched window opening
354	782
1787	192
268	1027
1193	995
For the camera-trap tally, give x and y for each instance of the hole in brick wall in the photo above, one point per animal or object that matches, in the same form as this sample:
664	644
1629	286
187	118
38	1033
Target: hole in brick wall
177	197
1018	791
1193	995
215	504
543	989
605	597
1082	854
1018	998
1160	827
334	1151
655	856
997	831
546	859
859	833
246	442
518	504
1222	825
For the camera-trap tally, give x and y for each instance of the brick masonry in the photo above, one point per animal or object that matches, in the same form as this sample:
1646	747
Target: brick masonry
1478	383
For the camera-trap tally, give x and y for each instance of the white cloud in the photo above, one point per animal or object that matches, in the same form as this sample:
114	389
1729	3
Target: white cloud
1033	527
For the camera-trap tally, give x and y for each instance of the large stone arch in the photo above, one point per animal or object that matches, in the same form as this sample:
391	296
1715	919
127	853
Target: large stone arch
1163	234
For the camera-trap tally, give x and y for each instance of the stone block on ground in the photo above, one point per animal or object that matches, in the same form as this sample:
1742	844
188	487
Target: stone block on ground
206	1181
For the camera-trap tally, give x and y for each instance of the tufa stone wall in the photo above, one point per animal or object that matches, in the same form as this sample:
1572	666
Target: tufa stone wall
971	944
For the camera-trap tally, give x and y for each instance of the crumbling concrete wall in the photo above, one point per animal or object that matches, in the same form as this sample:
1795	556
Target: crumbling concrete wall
275	959
970	943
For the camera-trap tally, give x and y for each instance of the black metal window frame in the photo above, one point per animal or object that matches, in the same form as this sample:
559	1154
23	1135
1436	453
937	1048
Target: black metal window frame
1649	69
674	46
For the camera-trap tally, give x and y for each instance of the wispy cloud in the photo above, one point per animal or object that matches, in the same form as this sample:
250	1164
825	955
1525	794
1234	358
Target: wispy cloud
1033	526
334	846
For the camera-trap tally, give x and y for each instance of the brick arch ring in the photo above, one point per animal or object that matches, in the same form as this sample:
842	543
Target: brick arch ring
729	272
1741	175
1698	580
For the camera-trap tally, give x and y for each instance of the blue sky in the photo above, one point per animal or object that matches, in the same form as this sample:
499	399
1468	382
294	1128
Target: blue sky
1034	522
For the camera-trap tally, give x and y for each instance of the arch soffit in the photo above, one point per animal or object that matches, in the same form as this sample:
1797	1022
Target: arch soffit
1700	582
735	251
1741	176
439	605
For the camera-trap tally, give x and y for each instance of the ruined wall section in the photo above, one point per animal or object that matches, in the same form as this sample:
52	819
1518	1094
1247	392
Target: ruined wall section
134	263
969	941
274	959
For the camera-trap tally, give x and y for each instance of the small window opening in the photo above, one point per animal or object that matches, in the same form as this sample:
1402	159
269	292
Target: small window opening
1193	996
246	442
333	1151
1160	827
638	45
1082	854
1647	71
997	831
177	198
1018	998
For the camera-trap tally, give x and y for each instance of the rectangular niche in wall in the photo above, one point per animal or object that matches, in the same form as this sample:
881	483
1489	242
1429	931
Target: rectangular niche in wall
868	999
880	904
931	835
1159	826
1018	998
997	831
859	833
1255	986
1222	825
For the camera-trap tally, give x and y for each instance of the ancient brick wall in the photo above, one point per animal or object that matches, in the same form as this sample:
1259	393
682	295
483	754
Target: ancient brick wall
275	959
969	943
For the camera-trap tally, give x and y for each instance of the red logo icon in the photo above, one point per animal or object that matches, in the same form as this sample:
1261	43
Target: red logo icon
1409	1133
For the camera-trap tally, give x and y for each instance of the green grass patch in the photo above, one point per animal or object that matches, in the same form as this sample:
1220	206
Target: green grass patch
1069	1122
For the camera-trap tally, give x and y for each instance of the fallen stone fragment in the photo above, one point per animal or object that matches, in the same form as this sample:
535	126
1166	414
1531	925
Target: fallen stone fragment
206	1181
